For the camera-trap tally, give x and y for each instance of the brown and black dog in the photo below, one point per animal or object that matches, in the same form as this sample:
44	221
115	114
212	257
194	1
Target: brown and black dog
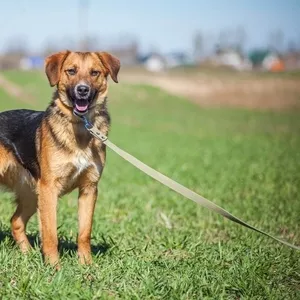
44	155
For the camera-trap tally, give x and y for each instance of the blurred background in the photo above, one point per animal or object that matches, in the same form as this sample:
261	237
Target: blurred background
208	94
194	48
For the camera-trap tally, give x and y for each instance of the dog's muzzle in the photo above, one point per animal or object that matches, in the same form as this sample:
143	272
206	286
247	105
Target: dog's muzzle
82	98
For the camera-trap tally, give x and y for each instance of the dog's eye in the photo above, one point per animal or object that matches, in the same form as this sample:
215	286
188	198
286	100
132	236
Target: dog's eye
95	73
71	71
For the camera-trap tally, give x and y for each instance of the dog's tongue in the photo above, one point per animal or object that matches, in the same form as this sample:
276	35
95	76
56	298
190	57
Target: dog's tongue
81	107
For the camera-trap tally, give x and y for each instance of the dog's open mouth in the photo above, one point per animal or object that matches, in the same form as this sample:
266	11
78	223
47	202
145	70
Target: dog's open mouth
81	96
81	107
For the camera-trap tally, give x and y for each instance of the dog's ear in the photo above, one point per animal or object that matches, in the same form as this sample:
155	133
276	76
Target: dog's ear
111	63
53	64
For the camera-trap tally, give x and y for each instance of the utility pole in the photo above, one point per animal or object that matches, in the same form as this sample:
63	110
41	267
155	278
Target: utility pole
83	24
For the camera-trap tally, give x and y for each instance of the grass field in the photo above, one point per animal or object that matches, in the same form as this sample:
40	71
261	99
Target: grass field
150	243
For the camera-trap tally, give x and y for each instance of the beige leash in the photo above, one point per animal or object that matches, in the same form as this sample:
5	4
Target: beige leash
175	186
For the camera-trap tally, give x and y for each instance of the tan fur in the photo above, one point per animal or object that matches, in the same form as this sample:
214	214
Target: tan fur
68	156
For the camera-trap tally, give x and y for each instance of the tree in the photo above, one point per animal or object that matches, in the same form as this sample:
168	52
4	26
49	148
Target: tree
291	46
198	46
16	46
224	39
240	39
276	40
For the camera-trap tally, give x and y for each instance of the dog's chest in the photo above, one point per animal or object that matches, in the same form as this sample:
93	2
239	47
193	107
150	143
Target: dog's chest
81	163
75	170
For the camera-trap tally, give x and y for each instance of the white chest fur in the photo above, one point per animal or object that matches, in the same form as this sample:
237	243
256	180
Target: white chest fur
81	163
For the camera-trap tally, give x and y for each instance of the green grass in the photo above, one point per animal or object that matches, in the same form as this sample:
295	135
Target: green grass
247	162
6	101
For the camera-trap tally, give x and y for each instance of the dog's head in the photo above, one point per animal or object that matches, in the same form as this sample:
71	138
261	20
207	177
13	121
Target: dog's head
81	77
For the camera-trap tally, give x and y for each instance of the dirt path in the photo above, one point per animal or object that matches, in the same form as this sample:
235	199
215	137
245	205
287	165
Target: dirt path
16	91
250	91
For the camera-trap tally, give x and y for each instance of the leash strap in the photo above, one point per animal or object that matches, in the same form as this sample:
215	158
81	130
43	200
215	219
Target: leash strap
175	186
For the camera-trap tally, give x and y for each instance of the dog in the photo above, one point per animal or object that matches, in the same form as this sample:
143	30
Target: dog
47	154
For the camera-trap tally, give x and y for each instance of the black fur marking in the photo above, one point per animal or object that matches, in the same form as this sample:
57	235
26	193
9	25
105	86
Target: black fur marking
18	130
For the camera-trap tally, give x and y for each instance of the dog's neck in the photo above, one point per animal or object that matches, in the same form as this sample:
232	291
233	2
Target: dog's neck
72	125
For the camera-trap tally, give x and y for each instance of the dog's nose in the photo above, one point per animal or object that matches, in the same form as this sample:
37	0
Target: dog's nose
82	90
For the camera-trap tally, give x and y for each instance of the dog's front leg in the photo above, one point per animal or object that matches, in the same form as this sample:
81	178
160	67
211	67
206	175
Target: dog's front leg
86	202
47	204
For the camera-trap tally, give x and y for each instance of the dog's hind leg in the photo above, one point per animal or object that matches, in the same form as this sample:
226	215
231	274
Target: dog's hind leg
14	177
26	207
6	159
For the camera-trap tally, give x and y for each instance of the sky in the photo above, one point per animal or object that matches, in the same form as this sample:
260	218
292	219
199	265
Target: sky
164	25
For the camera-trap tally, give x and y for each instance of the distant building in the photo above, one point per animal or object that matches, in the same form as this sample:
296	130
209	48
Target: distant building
267	61
272	62
153	62
176	59
231	58
31	62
